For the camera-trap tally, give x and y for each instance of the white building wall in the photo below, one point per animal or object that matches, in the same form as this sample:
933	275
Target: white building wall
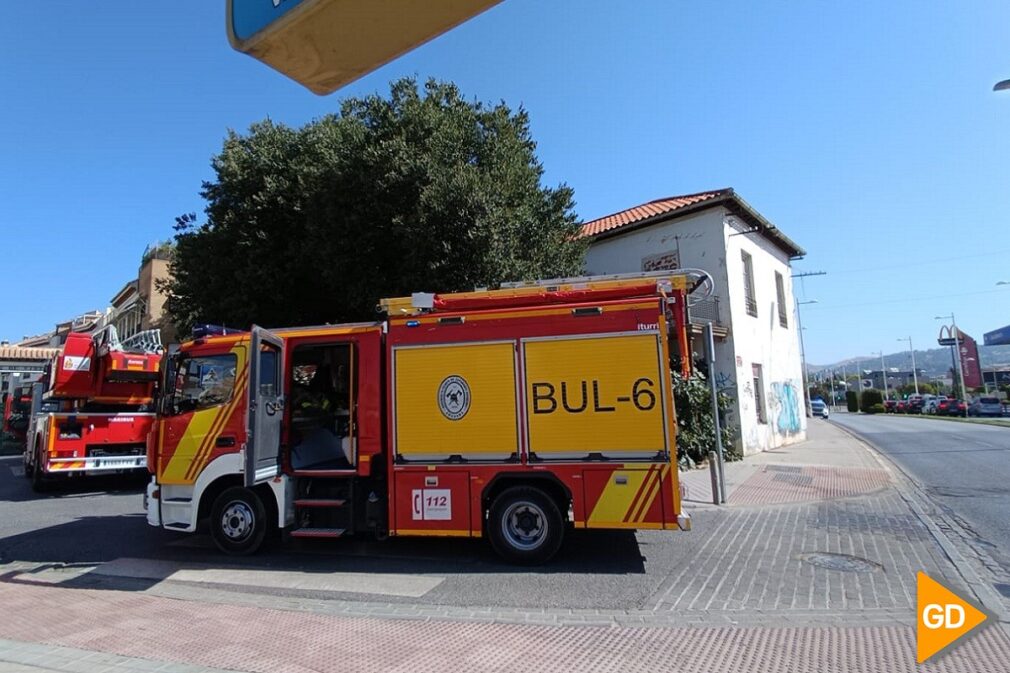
704	241
763	341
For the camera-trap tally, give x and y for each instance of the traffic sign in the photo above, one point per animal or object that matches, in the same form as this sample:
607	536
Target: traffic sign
325	44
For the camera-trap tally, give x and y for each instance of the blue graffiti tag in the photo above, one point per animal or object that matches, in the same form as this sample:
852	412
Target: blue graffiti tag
724	381
788	421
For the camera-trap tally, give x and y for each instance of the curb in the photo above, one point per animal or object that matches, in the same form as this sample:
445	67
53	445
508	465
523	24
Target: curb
912	492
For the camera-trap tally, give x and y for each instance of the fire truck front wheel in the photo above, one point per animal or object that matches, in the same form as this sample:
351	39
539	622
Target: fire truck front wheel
525	526
238	521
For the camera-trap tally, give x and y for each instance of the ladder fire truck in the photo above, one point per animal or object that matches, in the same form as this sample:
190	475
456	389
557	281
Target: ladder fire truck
93	410
512	414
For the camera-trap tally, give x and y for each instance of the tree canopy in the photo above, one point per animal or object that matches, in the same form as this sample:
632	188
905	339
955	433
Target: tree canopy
420	191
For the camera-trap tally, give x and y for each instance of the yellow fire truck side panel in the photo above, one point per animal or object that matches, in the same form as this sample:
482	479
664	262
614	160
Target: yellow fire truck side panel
457	399
600	394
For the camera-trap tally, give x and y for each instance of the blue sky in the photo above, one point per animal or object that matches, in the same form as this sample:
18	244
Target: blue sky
867	131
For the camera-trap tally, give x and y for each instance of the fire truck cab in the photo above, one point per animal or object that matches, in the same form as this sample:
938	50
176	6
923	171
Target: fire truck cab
512	414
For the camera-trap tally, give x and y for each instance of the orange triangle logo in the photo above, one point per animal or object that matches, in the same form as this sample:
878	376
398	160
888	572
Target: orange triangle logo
943	617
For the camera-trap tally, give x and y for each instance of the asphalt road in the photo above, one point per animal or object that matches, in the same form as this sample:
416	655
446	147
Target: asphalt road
90	522
965	467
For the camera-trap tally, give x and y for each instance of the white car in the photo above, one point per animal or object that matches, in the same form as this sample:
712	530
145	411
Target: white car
819	407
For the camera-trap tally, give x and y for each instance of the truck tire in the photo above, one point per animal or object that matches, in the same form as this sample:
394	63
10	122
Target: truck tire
525	526
39	482
238	521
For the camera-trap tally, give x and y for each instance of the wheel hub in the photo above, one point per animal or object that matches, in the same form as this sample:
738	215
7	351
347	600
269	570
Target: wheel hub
524	525
237	521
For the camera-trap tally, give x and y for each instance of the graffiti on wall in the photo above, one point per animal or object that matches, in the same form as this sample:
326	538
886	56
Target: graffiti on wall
785	403
664	261
725	383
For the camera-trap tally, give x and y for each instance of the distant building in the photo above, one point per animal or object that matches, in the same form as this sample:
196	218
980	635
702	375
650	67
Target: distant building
140	304
22	365
895	378
997	378
752	307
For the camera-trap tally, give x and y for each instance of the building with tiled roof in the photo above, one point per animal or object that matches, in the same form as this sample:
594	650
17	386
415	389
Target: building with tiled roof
751	307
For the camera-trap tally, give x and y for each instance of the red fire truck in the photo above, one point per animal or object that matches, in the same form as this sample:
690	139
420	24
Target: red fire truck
94	411
511	414
16	412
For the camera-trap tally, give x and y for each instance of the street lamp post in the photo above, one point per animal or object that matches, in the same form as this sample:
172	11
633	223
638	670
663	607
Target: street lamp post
803	355
957	346
915	375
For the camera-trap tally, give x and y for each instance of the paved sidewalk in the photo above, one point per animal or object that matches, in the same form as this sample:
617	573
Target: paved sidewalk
811	567
828	453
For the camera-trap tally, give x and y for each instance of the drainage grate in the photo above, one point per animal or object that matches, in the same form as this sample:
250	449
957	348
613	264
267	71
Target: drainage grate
783	468
795	479
840	562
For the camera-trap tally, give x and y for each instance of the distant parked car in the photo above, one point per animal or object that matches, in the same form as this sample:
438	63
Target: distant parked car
985	406
956	408
819	407
890	406
901	407
914	404
933	404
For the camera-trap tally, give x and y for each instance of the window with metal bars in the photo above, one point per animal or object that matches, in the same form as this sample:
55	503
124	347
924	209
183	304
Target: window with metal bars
780	293
748	284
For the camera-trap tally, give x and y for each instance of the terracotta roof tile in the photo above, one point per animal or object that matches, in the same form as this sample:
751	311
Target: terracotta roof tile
22	353
647	210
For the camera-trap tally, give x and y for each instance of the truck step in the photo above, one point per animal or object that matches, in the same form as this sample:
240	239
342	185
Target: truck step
317	532
320	502
349	472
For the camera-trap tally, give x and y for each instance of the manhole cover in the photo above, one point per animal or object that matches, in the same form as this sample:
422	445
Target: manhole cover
841	562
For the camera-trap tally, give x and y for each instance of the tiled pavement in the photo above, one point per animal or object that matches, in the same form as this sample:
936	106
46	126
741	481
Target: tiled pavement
810	568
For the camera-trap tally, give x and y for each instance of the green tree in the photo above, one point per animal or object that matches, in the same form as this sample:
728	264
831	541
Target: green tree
420	191
870	400
692	400
852	401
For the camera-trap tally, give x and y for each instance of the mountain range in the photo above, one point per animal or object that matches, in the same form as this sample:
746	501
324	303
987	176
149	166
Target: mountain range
936	361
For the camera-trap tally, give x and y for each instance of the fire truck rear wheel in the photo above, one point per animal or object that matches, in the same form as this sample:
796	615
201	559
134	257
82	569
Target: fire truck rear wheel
238	521
39	482
525	525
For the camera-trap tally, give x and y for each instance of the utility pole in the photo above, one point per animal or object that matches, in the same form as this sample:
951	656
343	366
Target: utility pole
803	354
915	375
883	373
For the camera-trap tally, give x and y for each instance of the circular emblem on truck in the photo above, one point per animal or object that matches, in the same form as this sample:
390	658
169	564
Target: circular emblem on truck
454	397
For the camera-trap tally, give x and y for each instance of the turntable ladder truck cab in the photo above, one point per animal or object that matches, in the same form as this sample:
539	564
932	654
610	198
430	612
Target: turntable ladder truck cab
94	409
513	414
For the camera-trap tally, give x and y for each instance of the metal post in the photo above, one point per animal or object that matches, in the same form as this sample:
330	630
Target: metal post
915	375
803	355
960	367
883	374
716	422
713	471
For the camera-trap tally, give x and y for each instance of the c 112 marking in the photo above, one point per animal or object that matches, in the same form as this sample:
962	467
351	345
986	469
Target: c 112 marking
575	399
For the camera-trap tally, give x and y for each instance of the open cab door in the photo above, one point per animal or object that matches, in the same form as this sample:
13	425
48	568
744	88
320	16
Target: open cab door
265	407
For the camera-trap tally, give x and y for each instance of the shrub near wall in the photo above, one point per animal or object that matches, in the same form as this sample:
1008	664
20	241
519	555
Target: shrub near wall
870	400
852	400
